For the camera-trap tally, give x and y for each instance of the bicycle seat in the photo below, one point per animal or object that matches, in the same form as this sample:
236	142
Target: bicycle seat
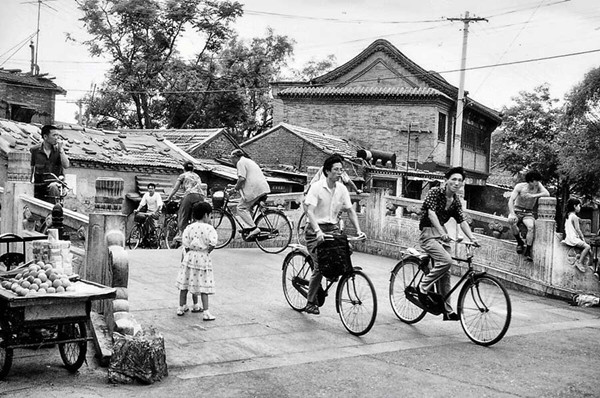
262	198
423	259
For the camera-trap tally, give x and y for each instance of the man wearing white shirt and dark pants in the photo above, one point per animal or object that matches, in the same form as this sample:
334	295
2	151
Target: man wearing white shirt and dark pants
324	200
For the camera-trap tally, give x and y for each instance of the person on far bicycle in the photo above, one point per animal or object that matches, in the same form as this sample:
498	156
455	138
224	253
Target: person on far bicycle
48	157
324	200
153	203
440	204
251	185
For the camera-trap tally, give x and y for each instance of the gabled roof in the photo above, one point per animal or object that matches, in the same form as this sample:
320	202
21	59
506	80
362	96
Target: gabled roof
381	92
431	78
327	143
186	139
17	78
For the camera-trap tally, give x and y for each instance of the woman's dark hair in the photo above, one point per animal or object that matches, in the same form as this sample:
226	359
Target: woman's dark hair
455	170
200	209
330	161
188	166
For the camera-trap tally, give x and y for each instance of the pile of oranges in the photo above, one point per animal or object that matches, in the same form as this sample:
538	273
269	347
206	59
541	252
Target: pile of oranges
38	279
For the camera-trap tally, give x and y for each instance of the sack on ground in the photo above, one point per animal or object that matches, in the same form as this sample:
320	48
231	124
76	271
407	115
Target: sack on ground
333	256
141	357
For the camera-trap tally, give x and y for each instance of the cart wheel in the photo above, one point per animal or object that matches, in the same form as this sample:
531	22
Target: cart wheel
72	354
6	354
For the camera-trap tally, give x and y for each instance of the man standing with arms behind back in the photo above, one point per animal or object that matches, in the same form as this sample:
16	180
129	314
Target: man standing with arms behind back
47	157
251	185
521	209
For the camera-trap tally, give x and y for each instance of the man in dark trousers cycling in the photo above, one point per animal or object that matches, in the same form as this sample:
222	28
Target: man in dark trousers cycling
440	204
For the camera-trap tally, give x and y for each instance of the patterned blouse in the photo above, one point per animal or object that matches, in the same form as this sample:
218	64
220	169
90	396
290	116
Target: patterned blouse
436	201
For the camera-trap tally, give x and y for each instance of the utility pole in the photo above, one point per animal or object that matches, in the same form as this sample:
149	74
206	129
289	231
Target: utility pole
456	144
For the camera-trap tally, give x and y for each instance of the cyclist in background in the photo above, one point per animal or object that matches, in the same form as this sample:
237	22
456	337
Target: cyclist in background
48	157
153	203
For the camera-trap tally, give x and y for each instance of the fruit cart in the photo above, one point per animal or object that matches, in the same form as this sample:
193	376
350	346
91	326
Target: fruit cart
67	312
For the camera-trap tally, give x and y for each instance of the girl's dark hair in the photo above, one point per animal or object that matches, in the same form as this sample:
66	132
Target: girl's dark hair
200	209
188	166
570	207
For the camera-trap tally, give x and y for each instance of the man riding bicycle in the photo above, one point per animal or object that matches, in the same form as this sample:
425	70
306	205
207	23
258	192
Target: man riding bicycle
153	204
46	158
440	204
324	200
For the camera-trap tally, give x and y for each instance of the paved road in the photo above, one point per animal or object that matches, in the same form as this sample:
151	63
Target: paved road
259	346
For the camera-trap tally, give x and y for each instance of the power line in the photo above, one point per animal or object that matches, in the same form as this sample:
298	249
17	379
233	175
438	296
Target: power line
293	16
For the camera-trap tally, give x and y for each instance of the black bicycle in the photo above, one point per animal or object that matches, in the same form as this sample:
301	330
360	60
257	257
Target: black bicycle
355	297
170	226
484	306
143	234
275	227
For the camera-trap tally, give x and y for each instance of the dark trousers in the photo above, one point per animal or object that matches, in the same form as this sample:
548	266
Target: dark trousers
185	216
311	245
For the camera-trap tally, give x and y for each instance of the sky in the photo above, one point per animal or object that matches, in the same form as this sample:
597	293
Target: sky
521	44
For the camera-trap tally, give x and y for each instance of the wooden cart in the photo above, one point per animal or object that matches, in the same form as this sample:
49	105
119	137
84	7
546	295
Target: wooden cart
68	312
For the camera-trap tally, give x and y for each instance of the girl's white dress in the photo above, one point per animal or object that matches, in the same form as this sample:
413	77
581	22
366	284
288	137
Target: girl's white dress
196	272
571	237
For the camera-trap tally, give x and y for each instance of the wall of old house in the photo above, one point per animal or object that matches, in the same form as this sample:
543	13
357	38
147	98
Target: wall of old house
283	147
219	147
41	99
379	125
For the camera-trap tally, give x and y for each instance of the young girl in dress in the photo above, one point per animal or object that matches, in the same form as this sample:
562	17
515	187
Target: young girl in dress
573	235
196	273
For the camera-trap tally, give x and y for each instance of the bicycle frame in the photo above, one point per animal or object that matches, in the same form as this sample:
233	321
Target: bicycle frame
258	207
469	274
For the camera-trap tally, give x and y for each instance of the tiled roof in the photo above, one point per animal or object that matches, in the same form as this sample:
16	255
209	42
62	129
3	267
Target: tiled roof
328	143
90	145
231	172
401	92
25	79
184	139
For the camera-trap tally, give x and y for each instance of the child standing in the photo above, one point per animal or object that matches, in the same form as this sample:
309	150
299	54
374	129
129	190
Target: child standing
196	273
573	235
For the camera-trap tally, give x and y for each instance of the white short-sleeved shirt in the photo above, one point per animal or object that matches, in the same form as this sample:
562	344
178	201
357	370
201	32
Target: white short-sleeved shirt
256	184
153	202
328	202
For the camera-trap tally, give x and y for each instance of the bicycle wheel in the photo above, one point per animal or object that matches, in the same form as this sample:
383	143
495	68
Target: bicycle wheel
403	281
356	302
72	354
135	237
300	228
296	272
224	224
6	354
168	234
485	310
279	230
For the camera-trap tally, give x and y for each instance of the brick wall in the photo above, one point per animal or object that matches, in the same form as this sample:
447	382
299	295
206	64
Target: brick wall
373	124
41	99
219	147
282	147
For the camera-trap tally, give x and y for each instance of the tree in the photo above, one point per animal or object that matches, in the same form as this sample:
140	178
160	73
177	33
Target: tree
315	68
580	154
141	38
528	135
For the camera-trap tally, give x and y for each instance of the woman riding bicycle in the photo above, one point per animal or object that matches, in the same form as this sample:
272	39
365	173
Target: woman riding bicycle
324	201
440	204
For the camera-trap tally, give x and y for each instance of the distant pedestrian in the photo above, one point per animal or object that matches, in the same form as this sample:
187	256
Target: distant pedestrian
573	235
196	272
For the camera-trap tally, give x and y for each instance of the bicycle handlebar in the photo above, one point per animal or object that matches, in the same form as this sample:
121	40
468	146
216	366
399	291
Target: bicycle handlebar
55	178
465	242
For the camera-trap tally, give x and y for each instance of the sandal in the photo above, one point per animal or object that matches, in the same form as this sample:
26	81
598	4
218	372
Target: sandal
197	308
182	310
311	309
208	316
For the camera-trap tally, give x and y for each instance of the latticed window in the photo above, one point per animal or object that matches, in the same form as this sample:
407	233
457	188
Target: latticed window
474	138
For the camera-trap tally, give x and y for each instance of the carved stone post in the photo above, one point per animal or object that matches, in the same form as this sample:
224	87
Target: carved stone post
543	253
106	259
18	183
